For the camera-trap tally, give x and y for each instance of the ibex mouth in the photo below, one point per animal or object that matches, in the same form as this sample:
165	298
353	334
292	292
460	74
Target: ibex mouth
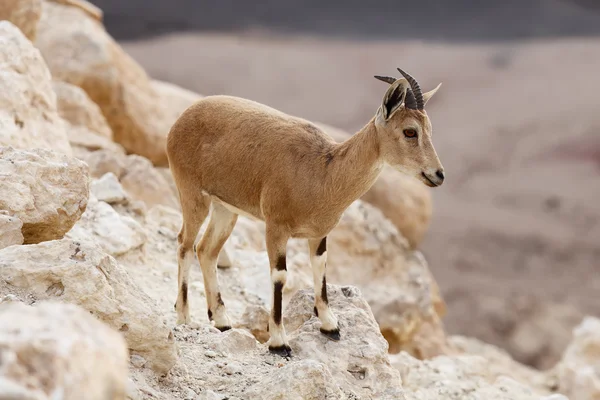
428	181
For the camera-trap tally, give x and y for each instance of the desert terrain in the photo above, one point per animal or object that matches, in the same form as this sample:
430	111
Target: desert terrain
482	289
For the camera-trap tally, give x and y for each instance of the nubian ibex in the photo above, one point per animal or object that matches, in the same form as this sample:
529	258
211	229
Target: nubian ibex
246	158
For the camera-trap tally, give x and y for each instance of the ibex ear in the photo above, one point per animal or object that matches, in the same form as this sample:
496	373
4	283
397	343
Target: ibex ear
394	97
429	95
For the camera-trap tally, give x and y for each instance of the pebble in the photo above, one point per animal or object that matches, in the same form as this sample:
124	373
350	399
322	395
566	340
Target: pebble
189	394
9	298
208	395
210	354
232	369
137	361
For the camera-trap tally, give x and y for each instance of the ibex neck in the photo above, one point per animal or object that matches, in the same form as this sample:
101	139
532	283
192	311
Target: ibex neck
356	164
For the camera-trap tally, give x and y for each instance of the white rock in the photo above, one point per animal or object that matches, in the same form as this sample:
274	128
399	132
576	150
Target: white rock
85	125
499	363
554	396
457	377
116	234
9	298
10	230
103	161
78	50
78	109
28	114
47	191
137	360
303	380
359	361
144	182
256	320
82	274
59	351
138	177
578	372
189	394
208	395
236	341
108	189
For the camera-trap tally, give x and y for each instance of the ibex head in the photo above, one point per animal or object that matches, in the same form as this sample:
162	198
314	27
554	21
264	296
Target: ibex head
404	130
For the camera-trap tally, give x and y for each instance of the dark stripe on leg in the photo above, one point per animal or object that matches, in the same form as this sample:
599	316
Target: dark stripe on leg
182	250
209	315
322	247
324	291
220	299
277	298
281	264
184	293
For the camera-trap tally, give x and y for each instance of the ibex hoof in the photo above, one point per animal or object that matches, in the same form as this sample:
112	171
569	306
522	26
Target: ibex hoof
332	334
283	351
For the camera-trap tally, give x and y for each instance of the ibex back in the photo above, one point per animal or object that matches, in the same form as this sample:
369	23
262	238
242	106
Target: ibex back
250	159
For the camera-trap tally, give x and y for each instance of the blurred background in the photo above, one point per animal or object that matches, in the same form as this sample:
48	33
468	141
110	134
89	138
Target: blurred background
514	240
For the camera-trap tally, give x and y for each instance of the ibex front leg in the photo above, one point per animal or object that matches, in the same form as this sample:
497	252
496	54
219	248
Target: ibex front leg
318	261
276	249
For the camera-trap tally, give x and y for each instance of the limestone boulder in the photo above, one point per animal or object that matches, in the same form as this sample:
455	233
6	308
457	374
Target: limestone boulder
28	113
54	350
85	124
144	182
460	377
116	234
500	363
365	249
78	50
304	380
10	230
108	189
24	14
578	372
46	190
403	200
82	273
103	161
139	178
359	361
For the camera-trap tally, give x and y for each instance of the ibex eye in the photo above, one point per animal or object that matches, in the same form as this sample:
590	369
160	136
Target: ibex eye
410	133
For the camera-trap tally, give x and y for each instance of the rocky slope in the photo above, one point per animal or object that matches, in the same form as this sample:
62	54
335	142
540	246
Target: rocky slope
88	272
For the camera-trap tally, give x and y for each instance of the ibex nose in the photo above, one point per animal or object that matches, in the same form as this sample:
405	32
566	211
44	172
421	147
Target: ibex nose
440	174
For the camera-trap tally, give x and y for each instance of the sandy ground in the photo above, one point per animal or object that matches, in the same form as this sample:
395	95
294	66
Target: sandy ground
515	237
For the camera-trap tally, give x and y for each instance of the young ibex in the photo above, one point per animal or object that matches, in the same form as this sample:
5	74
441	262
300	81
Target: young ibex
249	159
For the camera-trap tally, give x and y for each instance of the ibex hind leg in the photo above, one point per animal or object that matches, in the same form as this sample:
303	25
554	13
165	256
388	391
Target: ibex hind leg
194	209
221	224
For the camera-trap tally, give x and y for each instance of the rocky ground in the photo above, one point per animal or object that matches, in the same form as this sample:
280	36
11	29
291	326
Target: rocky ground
88	235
